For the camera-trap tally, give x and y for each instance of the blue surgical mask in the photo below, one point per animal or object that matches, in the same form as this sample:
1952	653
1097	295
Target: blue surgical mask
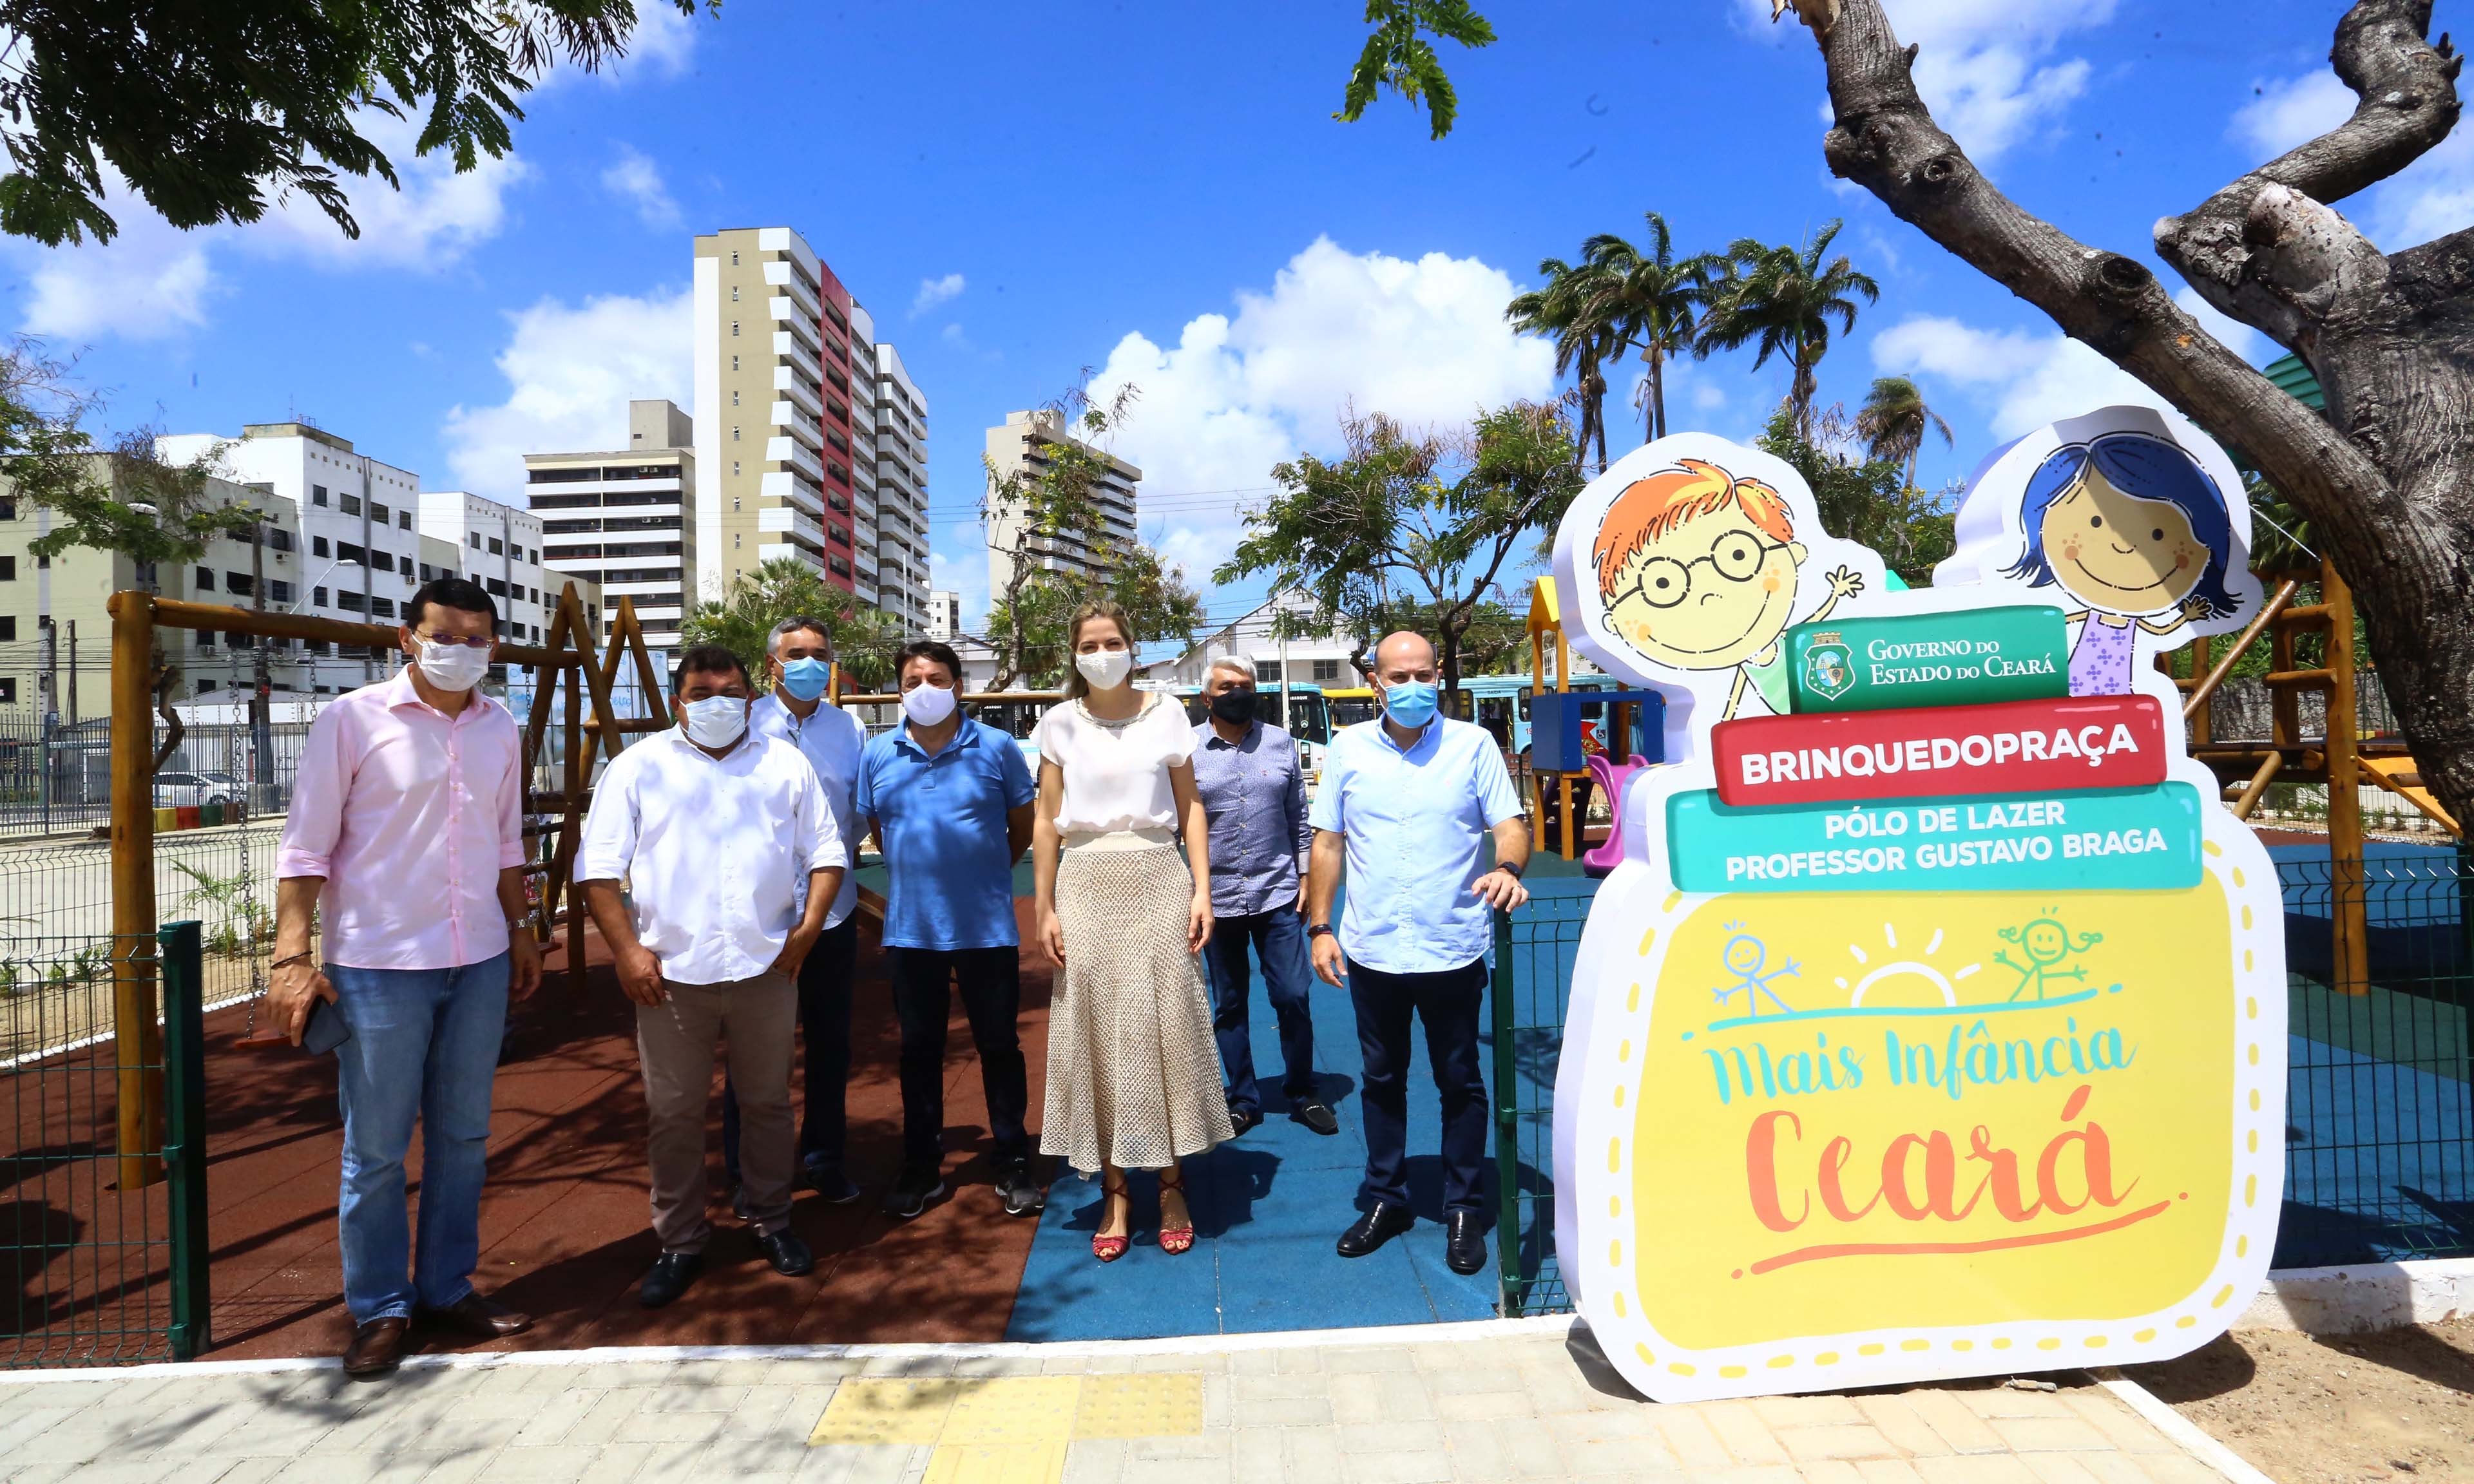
807	679
1412	704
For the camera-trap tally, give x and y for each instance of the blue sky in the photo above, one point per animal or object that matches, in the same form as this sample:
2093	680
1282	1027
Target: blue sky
1158	191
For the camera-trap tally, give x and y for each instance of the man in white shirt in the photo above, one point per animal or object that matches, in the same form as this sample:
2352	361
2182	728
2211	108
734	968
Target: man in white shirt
800	656
714	828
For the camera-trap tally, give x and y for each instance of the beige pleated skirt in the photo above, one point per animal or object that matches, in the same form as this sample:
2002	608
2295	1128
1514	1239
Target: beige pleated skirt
1133	1073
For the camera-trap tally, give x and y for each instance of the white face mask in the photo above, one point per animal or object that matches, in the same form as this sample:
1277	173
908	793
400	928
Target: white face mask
1106	669
452	666
926	703
715	721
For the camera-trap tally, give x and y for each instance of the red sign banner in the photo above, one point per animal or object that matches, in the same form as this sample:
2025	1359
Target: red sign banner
2012	747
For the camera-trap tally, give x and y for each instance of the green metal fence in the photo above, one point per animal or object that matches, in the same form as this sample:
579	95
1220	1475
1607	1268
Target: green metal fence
2380	1089
98	1274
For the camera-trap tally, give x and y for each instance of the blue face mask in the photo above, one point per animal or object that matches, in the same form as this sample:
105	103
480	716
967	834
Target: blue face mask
1412	704
807	679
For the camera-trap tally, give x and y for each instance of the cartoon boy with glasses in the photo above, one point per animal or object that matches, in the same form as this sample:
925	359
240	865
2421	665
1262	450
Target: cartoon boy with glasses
1697	571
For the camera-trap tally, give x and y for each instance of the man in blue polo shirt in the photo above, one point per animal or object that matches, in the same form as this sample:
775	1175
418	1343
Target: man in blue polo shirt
1405	803
950	802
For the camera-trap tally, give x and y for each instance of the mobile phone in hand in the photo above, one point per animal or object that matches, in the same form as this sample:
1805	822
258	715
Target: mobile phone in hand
326	1030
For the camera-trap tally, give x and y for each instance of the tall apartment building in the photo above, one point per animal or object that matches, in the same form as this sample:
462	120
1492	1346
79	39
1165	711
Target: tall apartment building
357	520
894	516
773	409
1022	445
627	519
944	615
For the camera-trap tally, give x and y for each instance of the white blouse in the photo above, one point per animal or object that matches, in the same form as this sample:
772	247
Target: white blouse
1116	773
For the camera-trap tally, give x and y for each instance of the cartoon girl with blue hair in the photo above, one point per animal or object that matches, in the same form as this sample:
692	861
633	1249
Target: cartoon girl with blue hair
2134	529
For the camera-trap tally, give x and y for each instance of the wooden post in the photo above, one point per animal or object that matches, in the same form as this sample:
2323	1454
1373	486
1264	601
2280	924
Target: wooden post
572	835
2349	887
137	1040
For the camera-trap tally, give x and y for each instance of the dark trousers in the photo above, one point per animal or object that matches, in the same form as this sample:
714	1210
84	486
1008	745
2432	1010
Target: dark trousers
1279	938
990	983
825	1022
1449	1003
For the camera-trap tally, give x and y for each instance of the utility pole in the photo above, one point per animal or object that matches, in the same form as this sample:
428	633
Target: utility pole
73	700
261	738
49	711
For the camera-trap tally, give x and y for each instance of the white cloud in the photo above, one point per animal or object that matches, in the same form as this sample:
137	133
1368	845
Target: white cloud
665	40
1422	340
570	374
2024	380
1988	72
635	178
155	280
2430	198
936	291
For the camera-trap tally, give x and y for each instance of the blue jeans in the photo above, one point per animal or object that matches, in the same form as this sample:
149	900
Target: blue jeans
1279	937
424	1045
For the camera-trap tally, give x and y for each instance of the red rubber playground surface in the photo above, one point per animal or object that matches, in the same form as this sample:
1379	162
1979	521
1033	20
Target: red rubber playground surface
563	1223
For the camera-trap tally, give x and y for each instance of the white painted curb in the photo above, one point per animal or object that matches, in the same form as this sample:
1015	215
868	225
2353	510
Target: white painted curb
2371	1296
1469	1332
2191	1438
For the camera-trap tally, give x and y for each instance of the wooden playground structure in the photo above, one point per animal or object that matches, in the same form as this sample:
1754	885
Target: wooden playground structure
567	679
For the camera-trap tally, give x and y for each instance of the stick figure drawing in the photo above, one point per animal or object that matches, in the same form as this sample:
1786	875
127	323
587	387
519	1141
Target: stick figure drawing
1744	957
2047	943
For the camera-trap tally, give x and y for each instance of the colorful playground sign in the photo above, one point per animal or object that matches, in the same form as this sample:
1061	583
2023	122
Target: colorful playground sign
1966	1057
1865	665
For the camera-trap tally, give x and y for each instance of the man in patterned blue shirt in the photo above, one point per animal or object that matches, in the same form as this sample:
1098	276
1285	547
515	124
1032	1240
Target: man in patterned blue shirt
1254	792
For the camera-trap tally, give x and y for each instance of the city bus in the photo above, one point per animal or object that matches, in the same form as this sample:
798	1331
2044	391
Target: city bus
1309	721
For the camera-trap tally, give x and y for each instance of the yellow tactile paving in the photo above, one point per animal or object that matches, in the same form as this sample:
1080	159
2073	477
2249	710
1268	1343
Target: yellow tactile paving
1140	1406
1011	1429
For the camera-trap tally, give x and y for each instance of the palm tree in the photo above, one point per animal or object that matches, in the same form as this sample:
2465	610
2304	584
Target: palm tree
1894	422
1781	300
1569	308
1652	302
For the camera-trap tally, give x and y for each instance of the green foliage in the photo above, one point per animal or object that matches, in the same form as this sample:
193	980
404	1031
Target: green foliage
236	921
1781	300
1650	302
1397	56
1571	310
1412	530
1054	503
1894	420
210	112
1867	499
784	588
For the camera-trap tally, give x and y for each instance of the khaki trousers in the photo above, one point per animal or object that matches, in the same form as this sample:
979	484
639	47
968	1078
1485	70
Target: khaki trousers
675	1040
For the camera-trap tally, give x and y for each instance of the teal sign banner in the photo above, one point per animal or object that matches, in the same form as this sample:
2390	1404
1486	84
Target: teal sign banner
2114	839
1918	659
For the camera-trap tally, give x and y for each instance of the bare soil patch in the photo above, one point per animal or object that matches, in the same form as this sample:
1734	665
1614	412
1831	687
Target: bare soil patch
2393	1404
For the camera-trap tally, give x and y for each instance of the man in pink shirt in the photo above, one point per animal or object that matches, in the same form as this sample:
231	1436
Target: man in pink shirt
406	838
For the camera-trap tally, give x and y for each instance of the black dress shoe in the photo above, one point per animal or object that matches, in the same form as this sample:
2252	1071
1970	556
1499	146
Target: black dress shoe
672	1272
1463	1243
480	1318
789	1256
1317	1116
1242	1118
1379	1225
376	1347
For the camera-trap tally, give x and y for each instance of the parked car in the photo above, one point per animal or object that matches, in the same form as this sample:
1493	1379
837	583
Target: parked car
189	790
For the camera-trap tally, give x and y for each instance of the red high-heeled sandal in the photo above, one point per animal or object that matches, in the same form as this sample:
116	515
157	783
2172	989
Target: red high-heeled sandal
1177	1239
1108	1248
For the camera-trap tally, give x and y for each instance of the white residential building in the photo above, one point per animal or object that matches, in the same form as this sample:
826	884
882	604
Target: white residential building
1021	445
626	520
893	513
944	615
1305	657
357	520
501	548
227	572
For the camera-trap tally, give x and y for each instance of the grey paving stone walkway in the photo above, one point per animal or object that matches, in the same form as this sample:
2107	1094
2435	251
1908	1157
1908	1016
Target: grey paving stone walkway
1417	1405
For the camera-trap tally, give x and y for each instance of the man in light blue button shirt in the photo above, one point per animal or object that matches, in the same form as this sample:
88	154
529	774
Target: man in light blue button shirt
799	661
1405	801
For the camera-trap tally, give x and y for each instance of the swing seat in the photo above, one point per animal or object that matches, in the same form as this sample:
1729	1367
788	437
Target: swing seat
263	1040
1611	777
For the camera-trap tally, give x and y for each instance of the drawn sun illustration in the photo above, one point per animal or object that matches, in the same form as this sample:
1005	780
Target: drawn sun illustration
1899	981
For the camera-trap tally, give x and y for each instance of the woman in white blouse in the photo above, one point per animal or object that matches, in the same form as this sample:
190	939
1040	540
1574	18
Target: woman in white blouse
1133	1073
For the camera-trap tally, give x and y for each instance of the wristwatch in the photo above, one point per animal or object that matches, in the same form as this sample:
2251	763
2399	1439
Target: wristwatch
1508	869
1317	929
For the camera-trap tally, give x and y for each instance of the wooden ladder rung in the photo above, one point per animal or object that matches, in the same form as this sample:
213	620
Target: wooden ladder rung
2297	679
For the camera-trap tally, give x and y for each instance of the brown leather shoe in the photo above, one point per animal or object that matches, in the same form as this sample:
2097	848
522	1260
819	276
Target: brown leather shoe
376	1347
480	1318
